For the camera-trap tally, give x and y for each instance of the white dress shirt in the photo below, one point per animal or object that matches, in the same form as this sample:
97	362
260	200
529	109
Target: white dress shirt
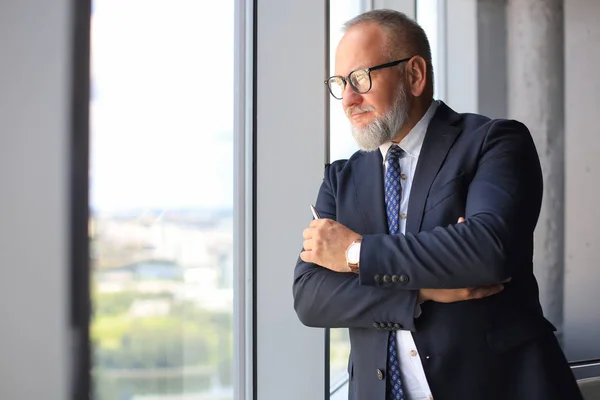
411	370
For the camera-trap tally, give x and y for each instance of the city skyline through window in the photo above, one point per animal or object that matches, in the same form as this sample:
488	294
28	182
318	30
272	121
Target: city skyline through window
161	200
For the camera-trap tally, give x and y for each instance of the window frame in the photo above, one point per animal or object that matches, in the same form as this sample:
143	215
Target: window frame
244	199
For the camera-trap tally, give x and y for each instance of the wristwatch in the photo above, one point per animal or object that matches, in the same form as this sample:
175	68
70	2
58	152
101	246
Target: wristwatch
353	255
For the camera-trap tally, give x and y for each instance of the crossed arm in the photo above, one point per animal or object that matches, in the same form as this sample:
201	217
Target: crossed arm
503	197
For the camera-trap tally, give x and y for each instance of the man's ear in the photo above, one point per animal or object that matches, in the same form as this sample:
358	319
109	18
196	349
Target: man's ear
417	75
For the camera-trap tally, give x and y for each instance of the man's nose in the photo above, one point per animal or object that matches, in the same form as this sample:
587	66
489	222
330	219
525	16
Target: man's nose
350	97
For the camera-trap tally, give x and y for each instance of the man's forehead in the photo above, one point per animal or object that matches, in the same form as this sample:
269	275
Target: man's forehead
360	47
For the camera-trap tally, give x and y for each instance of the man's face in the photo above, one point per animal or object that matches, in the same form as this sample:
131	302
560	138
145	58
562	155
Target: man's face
377	115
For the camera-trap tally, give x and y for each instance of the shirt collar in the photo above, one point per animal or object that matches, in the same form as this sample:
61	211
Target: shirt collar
413	142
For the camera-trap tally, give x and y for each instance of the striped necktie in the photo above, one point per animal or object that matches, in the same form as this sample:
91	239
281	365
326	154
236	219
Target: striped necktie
393	195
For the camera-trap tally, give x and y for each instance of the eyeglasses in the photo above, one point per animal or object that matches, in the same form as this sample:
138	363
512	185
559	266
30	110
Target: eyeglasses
360	79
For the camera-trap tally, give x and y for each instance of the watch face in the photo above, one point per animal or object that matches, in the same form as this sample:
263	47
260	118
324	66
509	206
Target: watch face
354	253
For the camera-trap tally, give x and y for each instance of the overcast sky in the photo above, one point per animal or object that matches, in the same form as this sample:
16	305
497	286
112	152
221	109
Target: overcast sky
162	106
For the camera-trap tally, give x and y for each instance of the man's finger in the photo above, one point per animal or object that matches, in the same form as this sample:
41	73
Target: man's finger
307	233
495	289
486	291
316	223
507	280
478	293
306	256
461	220
307	245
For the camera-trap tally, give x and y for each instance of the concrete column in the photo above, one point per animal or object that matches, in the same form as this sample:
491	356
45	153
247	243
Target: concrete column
536	97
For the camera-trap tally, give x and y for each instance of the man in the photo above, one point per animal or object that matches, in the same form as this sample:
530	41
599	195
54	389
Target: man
437	305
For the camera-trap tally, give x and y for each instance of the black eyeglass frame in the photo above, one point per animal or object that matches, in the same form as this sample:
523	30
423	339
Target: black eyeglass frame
368	71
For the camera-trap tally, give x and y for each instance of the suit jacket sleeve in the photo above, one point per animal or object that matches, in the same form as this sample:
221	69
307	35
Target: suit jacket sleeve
327	299
502	208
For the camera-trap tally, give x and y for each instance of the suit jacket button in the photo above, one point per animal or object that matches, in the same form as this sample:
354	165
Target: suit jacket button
386	279
380	375
397	326
390	325
403	278
376	325
377	278
382	325
395	278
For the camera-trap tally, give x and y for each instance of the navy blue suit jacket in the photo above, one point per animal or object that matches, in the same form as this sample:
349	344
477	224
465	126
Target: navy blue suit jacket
500	347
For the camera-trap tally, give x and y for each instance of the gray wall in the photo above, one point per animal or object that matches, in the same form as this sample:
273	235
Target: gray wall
582	178
290	143
34	116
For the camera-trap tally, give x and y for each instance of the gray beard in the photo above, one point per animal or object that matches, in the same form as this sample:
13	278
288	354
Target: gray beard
383	129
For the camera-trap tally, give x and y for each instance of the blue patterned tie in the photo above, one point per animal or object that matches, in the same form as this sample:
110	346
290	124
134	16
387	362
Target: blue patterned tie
393	195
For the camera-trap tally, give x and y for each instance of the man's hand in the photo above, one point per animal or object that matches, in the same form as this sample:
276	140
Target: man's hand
325	244
454	295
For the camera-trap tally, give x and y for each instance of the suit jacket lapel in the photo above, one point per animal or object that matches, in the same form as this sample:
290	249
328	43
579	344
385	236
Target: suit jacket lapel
368	185
439	138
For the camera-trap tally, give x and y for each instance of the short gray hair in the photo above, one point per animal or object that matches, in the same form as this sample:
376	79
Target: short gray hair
403	33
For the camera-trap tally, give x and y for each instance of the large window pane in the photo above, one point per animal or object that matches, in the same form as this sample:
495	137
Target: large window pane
430	15
161	225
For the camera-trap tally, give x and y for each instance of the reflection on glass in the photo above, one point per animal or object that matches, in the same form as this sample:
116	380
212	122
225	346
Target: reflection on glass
342	145
161	225
339	351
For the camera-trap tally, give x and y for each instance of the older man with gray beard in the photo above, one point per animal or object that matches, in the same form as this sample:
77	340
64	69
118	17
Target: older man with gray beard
437	305
383	129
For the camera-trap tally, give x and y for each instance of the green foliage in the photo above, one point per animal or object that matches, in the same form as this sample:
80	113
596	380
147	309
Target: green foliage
110	386
120	302
178	352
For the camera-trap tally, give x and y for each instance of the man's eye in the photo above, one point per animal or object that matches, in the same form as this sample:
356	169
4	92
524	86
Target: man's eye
359	79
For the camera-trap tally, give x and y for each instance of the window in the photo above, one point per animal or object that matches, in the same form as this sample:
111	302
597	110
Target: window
431	17
161	220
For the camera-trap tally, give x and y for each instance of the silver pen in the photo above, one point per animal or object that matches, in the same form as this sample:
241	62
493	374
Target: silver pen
314	211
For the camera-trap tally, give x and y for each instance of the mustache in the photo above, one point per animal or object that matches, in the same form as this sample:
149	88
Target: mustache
350	111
